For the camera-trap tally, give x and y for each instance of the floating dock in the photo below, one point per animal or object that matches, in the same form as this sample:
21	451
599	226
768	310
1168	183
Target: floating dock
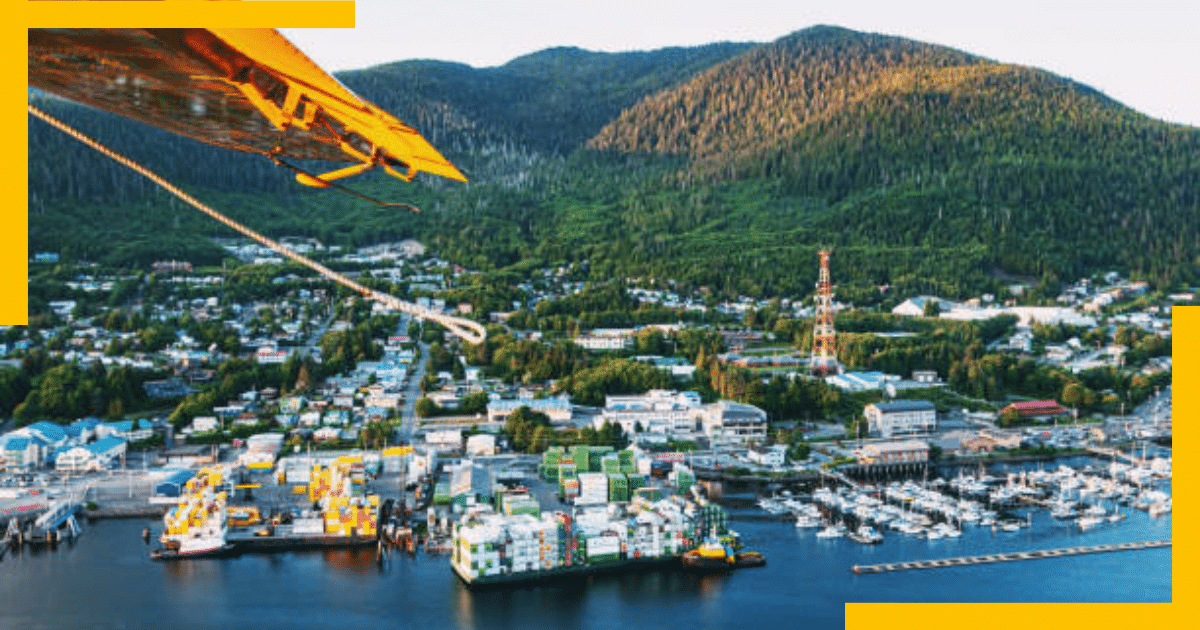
1008	557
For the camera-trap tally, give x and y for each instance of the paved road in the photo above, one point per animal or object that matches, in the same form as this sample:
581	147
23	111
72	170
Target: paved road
408	417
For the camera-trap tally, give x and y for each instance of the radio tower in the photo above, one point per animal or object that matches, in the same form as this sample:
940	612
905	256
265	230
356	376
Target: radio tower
824	354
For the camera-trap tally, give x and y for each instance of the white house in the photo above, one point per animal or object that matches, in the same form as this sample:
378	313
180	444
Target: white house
204	424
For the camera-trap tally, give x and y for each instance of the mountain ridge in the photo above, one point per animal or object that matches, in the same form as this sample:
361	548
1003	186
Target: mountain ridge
723	165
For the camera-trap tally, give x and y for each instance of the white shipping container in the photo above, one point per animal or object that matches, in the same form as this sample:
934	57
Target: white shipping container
603	545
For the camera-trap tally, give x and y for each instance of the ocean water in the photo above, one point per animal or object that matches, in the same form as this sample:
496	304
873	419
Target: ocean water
106	580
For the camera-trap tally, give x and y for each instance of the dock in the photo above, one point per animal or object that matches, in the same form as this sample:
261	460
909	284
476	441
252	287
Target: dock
1008	557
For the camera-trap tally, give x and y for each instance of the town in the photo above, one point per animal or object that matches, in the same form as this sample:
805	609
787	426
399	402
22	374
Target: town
176	365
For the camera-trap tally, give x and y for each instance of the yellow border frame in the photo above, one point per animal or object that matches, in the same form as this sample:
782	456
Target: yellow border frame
340	14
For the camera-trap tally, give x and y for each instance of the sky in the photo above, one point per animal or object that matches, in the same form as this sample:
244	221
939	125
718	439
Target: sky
1145	55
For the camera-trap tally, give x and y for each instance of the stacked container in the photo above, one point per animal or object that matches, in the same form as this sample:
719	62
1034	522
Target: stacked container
618	488
593	488
566	470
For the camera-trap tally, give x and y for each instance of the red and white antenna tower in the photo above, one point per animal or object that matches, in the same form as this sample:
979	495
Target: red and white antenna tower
824	354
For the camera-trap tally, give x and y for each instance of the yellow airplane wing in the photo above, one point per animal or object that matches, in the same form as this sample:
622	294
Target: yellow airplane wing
244	89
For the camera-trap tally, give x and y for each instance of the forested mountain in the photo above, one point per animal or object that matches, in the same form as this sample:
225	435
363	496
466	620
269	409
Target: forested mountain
726	165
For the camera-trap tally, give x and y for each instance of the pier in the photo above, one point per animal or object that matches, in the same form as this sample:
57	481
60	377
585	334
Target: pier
1007	557
1117	454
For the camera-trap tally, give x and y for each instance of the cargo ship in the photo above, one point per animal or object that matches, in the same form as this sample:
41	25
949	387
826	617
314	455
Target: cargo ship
197	527
508	548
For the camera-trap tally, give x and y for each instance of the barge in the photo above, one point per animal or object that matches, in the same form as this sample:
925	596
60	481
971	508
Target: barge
507	549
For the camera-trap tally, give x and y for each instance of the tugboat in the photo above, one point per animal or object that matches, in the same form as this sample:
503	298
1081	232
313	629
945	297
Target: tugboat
713	556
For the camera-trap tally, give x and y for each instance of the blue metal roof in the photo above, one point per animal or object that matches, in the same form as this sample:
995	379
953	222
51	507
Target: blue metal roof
86	423
16	444
101	447
52	432
906	405
172	484
123	426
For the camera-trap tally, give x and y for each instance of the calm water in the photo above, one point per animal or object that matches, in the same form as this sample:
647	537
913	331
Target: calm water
106	580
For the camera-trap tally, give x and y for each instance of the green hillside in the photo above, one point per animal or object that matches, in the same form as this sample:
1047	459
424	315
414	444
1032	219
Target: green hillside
729	165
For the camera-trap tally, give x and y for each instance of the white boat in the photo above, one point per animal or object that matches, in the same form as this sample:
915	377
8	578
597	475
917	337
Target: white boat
807	521
867	535
832	531
1158	509
1088	522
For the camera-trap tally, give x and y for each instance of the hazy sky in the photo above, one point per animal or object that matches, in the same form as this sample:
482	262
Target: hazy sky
1146	55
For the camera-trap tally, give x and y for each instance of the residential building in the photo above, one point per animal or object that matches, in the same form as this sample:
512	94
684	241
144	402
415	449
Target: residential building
901	417
728	422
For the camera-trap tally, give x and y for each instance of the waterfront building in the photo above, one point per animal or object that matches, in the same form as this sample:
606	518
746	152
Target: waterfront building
901	417
893	453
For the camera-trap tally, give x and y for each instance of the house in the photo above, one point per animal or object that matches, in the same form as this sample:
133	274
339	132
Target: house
901	417
326	434
204	424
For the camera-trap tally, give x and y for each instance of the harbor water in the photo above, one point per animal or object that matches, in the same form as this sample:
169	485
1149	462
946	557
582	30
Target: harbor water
106	580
